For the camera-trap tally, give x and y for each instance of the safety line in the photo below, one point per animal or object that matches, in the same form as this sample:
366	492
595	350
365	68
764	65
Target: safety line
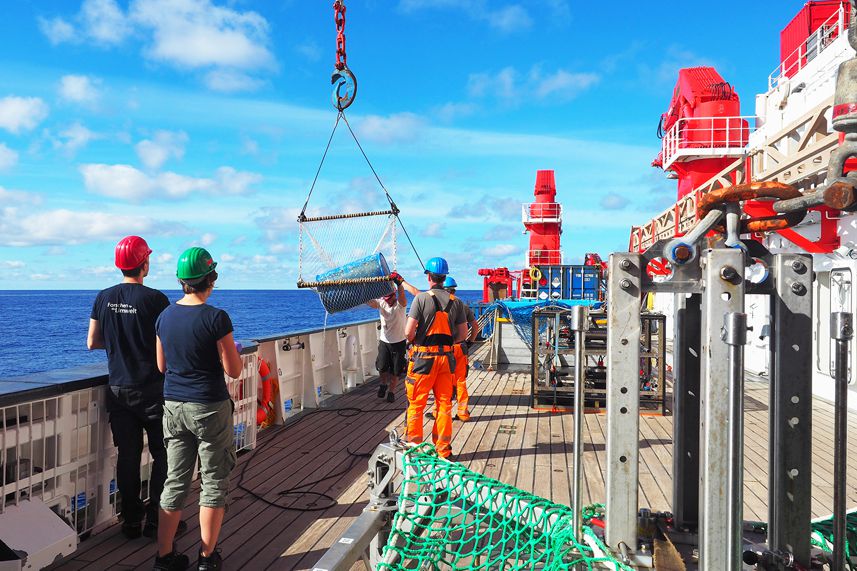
323	157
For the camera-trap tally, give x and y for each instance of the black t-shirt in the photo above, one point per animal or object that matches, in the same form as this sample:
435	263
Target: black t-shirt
126	313
189	335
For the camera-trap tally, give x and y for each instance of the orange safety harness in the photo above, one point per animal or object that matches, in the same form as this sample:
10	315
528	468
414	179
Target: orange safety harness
438	339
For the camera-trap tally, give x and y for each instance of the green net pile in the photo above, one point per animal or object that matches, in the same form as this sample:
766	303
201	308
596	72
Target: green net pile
453	519
822	536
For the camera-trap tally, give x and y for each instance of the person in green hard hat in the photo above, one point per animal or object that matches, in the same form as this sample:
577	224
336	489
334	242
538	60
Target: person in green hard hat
195	348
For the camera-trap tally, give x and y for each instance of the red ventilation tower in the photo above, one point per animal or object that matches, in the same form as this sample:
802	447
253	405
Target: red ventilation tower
543	220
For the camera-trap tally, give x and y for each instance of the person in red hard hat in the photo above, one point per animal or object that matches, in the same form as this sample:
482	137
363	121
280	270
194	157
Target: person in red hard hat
392	347
123	322
435	324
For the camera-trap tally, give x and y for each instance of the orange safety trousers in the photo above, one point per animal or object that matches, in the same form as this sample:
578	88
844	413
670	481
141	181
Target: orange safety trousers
459	378
427	373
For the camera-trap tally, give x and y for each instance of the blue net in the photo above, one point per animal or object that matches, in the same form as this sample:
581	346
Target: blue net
520	314
337	298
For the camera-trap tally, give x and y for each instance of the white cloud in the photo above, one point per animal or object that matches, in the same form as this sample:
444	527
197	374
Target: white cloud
104	21
227	258
207	239
613	201
185	34
25	227
74	138
513	87
449	112
433	230
21	113
506	19
164	258
249	146
564	85
56	30
196	33
166	145
128	183
79	89
231	81
509	19
8	158
397	128
14	264
502	250
41	277
17	197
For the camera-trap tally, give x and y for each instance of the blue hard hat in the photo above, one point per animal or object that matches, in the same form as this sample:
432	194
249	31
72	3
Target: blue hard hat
437	266
449	282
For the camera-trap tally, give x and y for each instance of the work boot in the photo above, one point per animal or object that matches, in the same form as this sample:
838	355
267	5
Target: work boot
151	527
391	396
382	390
429	414
211	563
462	416
171	562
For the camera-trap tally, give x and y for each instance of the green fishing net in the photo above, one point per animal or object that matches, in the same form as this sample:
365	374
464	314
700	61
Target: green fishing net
450	518
822	537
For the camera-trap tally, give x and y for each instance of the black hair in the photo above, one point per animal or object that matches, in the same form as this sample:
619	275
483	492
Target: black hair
204	284
135	273
450	290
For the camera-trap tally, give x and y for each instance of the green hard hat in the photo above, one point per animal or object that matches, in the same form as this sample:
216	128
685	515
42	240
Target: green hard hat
194	264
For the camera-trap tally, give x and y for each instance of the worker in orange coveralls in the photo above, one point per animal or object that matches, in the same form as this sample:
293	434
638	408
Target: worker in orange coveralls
436	322
459	376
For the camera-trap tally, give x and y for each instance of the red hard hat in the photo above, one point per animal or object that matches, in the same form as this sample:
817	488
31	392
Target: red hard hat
131	252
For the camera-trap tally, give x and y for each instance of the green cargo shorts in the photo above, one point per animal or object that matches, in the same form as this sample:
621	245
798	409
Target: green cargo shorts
198	429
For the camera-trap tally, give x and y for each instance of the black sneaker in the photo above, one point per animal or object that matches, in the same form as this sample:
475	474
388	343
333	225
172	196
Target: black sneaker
382	390
171	562
151	528
429	414
211	563
132	529
391	396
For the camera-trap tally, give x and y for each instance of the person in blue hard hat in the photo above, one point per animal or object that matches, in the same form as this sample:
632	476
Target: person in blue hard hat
436	322
459	376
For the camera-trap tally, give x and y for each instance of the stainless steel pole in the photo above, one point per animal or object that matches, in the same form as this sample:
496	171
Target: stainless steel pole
734	333
841	330
580	325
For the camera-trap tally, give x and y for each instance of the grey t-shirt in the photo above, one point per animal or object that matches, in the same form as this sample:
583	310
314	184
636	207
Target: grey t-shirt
423	309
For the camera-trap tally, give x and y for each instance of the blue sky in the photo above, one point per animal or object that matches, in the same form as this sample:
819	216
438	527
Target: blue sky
201	122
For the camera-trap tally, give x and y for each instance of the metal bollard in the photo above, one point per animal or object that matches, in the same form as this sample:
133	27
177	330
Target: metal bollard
842	330
580	325
734	334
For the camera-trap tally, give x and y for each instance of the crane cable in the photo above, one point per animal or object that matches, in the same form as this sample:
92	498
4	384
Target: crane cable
343	96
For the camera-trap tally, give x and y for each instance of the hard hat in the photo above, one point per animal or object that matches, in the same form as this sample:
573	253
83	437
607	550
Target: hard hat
449	282
437	266
194	264
131	252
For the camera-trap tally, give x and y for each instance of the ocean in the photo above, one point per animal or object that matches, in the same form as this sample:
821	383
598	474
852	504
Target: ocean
46	330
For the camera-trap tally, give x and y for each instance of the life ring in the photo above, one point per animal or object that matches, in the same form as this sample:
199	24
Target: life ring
535	274
265	409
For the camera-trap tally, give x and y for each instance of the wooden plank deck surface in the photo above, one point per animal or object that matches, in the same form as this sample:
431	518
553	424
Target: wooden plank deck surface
268	524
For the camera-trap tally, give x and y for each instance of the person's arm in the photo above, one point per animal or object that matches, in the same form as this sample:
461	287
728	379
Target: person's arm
159	353
409	288
460	332
410	329
229	356
373	303
94	338
473	332
400	289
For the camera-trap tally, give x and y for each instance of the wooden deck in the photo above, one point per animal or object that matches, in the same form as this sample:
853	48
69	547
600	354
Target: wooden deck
324	452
